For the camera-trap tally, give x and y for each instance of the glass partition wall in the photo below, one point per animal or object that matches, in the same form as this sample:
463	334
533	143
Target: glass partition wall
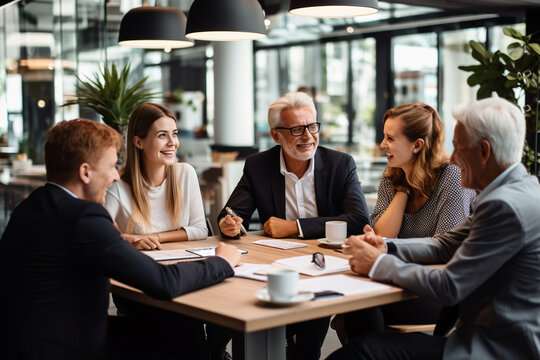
46	44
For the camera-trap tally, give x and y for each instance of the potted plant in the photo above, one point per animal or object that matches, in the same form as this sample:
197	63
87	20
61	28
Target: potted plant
514	76
108	94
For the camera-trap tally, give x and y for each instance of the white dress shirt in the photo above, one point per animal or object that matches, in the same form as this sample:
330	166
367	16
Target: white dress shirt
300	200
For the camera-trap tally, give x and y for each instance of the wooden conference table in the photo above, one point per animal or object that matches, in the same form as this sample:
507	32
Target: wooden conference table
232	303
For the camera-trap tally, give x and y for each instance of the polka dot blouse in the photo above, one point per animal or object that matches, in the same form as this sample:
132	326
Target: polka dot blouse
446	207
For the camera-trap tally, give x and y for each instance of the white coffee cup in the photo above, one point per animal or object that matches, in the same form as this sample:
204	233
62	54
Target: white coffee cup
336	231
282	284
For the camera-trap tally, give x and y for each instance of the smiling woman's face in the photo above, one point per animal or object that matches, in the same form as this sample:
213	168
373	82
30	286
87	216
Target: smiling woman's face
160	144
399	149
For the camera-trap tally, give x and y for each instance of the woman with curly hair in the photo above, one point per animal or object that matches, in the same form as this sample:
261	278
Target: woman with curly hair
420	195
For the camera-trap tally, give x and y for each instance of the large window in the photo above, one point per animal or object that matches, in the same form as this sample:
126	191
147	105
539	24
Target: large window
414	64
363	95
455	51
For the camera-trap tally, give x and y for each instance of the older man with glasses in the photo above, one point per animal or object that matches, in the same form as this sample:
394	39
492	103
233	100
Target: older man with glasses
297	187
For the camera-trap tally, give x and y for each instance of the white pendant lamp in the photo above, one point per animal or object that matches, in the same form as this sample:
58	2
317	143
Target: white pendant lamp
333	8
154	27
225	20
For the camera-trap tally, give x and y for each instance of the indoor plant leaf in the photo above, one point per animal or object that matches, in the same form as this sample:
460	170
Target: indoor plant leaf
109	94
515	51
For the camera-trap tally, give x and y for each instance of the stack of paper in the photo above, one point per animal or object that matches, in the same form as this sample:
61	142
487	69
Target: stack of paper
303	265
178	254
347	285
251	271
280	244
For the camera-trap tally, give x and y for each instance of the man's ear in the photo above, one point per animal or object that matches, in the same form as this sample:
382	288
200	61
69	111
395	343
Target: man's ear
137	141
84	173
485	150
275	136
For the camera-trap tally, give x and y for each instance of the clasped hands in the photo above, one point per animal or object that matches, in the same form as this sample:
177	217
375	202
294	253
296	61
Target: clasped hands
273	227
364	250
143	241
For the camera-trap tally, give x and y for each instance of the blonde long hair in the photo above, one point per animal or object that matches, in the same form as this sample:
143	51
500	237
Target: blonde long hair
420	121
133	171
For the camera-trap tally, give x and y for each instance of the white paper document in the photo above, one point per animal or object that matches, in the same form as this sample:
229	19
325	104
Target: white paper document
280	244
248	270
343	284
178	254
303	264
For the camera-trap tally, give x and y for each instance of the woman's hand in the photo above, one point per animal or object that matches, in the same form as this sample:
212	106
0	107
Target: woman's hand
143	241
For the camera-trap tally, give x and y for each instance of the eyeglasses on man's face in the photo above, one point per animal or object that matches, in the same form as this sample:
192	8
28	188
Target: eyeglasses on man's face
313	128
318	260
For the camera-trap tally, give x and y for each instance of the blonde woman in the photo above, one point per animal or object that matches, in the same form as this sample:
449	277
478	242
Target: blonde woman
157	200
420	195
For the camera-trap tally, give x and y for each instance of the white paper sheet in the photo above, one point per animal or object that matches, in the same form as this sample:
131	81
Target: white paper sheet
280	244
347	285
303	264
162	255
248	270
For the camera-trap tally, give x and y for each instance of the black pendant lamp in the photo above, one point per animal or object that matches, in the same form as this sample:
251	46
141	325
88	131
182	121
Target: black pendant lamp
154	27
333	8
225	20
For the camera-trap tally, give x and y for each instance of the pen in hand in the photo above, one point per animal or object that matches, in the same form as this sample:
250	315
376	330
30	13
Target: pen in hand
233	215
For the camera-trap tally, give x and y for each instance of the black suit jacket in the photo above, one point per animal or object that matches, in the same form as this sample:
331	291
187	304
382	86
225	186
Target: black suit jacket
338	192
56	256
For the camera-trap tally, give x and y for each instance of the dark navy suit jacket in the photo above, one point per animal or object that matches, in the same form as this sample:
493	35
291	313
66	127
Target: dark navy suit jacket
338	192
56	256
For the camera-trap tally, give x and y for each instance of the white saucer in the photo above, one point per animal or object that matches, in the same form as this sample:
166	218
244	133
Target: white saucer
325	242
262	294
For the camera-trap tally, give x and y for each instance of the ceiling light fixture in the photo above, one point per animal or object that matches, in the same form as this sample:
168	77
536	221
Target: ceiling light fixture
154	27
333	8
225	20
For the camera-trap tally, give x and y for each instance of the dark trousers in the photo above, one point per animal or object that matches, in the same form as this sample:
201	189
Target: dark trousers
392	346
374	320
148	332
305	339
142	339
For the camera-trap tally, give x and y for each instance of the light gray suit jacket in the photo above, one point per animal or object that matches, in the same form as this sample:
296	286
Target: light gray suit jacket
493	271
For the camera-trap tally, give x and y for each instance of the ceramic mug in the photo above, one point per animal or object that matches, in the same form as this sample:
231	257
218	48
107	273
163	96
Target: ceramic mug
336	231
282	284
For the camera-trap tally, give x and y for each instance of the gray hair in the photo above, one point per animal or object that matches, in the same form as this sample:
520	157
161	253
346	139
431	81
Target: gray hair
289	101
499	122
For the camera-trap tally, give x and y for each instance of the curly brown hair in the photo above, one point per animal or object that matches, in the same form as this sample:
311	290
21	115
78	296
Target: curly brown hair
420	121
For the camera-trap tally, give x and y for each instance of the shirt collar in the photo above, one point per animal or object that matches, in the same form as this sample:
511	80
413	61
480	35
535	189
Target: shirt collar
63	188
495	183
283	168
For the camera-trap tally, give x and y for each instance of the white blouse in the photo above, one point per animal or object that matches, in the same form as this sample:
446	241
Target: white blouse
119	205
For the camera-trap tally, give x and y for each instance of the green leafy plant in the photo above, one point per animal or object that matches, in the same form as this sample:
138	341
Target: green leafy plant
512	75
109	94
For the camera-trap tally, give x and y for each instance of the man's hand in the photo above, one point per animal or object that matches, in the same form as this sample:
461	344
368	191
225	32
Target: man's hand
229	253
280	228
143	241
377	241
364	250
230	226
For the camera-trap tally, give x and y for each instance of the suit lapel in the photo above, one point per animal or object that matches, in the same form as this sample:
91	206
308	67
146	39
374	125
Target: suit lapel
320	184
277	184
